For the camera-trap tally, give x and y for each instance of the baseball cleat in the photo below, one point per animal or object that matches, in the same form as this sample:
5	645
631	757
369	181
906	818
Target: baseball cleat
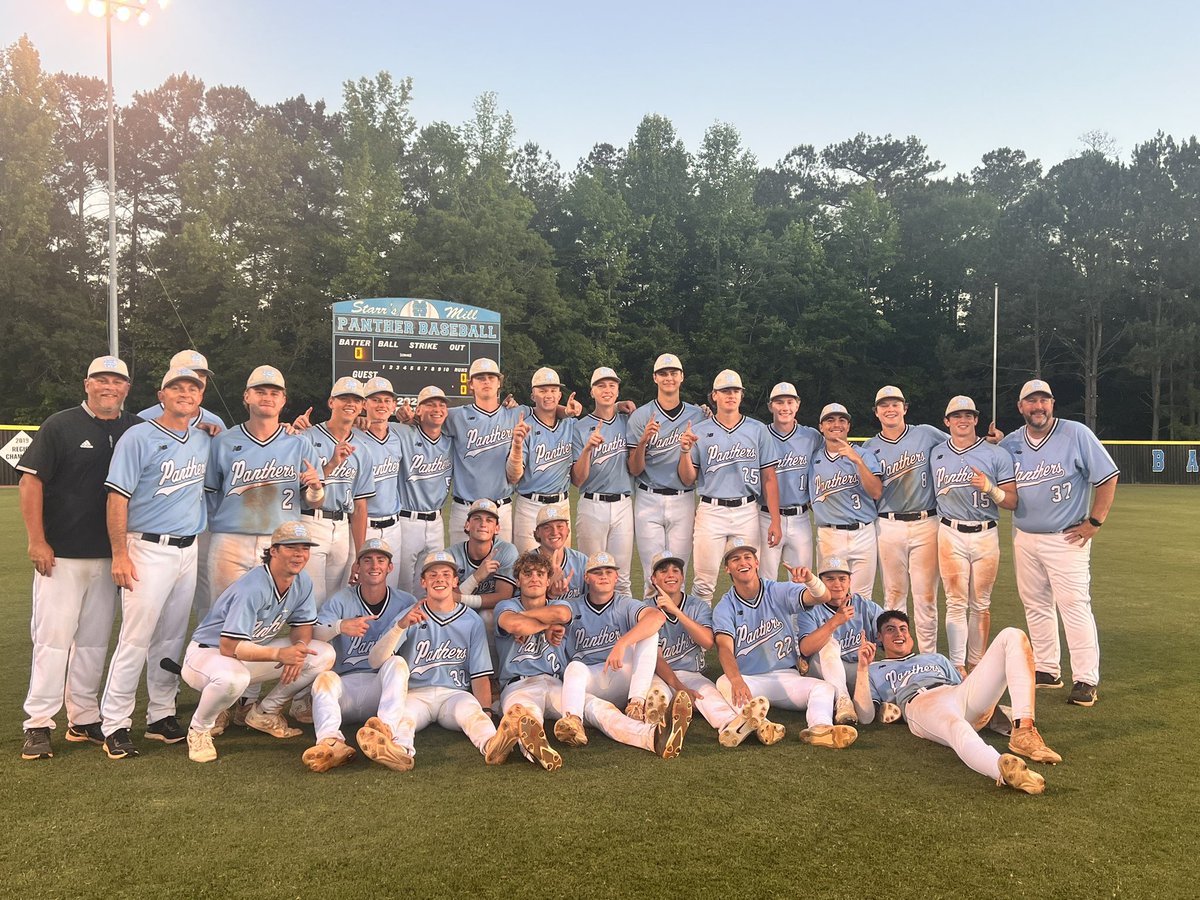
843	711
1016	774
239	712
668	744
889	713
119	745
569	730
656	708
1082	694
37	744
273	724
532	737
166	730
328	754
92	734
376	743
636	710
200	746
769	733
301	709
1046	680
1026	741
835	737
746	723
500	744
224	717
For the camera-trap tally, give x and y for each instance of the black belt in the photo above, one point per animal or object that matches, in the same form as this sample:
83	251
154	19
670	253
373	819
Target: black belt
382	523
324	514
910	517
970	529
504	502
167	540
604	498
207	646
419	516
853	526
730	503
665	492
790	510
546	498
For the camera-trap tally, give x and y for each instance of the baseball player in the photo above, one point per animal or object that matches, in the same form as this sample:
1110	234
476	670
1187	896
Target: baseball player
664	513
363	682
384	446
540	457
907	530
731	459
845	486
942	707
828	634
424	485
1057	460
204	419
604	515
683	640
795	447
529	632
612	644
757	649
569	566
237	645
63	506
156	508
973	481
449	680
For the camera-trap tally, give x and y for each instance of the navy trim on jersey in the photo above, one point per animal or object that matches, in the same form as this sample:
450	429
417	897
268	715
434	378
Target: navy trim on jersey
550	428
458	610
717	422
1109	478
1038	445
182	439
753	604
599	610
680	410
484	412
432	440
783	437
592	415
958	452
116	490
382	604
278	431
888	440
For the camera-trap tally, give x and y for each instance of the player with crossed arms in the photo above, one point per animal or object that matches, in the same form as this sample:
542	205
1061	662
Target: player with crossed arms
940	706
795	446
540	457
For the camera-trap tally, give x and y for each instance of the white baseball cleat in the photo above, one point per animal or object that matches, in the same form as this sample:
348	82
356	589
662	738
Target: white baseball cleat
835	737
376	743
843	711
200	746
669	744
501	744
1017	775
569	730
769	733
655	709
328	754
532	737
1026	741
273	724
888	713
746	723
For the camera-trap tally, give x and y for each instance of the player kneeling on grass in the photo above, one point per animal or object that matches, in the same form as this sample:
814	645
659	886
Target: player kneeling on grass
829	633
529	632
449	673
612	643
942	707
364	683
236	644
682	642
757	649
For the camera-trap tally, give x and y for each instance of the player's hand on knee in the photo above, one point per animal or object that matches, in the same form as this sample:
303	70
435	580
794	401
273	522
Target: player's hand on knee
740	692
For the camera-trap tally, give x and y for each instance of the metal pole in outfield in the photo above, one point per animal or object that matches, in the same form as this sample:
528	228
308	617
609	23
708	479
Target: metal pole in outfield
112	193
995	343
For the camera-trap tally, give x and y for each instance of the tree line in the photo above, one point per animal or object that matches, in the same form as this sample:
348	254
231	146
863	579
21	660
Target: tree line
839	269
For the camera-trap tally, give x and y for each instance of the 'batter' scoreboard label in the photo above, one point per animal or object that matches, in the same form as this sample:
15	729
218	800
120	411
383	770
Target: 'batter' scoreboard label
413	342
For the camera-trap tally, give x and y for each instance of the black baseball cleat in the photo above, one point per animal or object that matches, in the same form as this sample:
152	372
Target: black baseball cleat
92	734
37	744
119	746
166	730
1082	694
1046	680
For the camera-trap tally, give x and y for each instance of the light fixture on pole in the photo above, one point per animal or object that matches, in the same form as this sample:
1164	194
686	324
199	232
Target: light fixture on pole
123	11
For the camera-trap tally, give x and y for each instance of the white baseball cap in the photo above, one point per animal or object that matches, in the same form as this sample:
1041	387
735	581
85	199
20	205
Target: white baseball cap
181	372
555	512
108	365
378	385
347	387
483	366
727	379
266	376
374	545
834	564
601	560
430	392
605	372
667	361
190	359
666	556
1036	386
890	392
484	505
961	404
834	409
734	544
293	533
784	389
439	558
545	377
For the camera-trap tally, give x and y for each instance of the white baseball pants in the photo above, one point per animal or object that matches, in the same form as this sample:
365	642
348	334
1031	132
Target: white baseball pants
418	538
458	521
631	681
663	523
968	563
230	556
609	527
795	546
828	665
714	526
908	556
330	561
857	549
356	696
453	709
788	689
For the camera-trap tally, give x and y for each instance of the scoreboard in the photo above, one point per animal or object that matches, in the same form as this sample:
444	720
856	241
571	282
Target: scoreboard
413	342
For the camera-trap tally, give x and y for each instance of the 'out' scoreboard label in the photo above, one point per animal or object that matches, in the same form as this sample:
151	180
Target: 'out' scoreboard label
413	342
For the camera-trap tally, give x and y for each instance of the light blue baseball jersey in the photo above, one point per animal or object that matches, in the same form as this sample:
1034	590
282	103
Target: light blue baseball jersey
794	453
502	551
425	484
352	652
161	472
899	680
904	466
446	650
838	495
761	627
257	483
351	480
204	417
528	656
956	498
679	650
848	635
574	569
386	459
662	453
1053	475
609	472
481	443
549	452
252	609
594	630
728	460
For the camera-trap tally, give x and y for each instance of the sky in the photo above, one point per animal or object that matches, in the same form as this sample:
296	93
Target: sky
965	77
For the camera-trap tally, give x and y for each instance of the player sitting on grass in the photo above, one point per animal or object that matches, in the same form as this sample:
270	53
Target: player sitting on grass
757	649
942	707
612	643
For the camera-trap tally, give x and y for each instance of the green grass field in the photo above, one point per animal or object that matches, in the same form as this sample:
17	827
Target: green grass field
891	816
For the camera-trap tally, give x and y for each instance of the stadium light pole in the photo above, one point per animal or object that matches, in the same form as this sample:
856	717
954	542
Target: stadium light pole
123	11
